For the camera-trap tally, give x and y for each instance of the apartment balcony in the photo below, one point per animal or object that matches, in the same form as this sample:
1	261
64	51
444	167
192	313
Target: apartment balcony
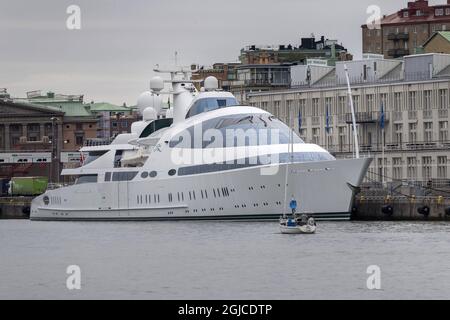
398	36
366	117
396	53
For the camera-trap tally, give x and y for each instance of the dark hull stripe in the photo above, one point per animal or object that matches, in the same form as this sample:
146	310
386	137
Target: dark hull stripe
319	217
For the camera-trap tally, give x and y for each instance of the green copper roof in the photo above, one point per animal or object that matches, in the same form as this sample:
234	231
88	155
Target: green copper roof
445	34
108	107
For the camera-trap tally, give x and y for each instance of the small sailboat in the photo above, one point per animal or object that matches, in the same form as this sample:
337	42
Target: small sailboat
298	224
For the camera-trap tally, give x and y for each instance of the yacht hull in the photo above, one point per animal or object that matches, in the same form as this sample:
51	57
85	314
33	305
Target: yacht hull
325	188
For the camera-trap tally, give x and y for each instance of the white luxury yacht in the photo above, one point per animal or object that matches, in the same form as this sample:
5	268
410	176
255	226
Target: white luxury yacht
214	160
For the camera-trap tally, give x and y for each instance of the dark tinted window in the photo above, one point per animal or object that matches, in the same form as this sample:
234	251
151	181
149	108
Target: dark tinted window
108	176
209	104
94	155
124	176
91	178
252	162
155	126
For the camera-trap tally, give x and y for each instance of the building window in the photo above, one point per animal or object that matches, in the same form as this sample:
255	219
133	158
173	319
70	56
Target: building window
443	99
79	126
443	131
398	127
397	168
426	168
447	11
412	132
439	12
369	103
412	101
397	102
405	14
418	13
427	100
428	131
342	135
315	107
411	168
79	139
316	135
442	167
356	103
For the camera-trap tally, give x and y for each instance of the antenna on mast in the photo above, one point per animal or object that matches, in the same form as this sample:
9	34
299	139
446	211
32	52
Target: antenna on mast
176	58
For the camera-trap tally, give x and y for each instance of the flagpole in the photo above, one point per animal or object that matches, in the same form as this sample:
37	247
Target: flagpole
382	124
350	96
382	156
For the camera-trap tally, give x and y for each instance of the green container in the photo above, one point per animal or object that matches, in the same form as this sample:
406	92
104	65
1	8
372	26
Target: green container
28	186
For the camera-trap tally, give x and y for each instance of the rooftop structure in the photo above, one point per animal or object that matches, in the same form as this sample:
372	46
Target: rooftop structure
309	48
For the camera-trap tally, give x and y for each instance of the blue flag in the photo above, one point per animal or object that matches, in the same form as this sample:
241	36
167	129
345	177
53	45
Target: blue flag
382	116
299	120
327	128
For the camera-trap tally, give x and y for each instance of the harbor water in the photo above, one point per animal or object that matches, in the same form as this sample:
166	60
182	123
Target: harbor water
223	260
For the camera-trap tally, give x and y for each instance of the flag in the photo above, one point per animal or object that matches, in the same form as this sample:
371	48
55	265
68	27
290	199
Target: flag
382	116
327	128
299	120
168	102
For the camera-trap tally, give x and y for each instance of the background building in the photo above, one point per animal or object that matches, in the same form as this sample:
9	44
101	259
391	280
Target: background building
265	68
404	32
439	42
412	96
41	134
30	142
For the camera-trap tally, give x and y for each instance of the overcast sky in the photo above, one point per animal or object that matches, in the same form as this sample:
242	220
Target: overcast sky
111	58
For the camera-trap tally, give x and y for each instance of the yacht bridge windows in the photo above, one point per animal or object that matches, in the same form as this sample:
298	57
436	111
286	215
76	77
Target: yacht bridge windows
210	104
235	131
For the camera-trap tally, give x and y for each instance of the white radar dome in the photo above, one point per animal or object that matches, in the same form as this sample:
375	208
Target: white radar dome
149	100
156	84
149	114
211	84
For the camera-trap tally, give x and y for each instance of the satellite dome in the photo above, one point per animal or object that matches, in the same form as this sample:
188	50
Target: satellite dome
156	84
149	100
211	83
149	114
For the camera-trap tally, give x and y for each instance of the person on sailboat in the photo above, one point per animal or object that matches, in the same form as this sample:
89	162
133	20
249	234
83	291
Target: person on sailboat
293	205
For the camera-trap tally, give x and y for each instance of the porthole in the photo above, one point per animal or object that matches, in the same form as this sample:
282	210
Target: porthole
144	174
172	172
153	174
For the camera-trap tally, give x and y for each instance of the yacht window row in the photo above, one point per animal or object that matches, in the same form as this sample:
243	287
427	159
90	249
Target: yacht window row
252	162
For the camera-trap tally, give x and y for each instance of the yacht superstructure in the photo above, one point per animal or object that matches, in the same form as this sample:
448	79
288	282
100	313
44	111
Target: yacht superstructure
214	160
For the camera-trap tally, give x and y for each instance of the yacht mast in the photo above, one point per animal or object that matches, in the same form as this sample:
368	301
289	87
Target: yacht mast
350	96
